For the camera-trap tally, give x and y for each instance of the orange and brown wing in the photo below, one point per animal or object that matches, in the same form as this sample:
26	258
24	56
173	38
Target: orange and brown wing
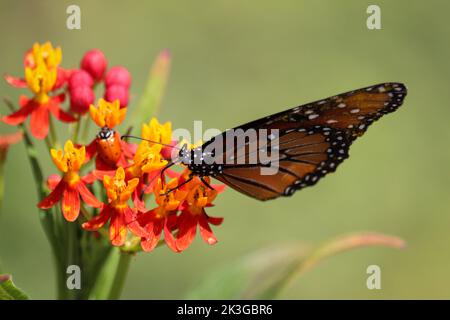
313	140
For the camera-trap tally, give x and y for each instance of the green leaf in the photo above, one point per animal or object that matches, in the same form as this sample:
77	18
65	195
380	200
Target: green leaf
266	273
8	291
154	90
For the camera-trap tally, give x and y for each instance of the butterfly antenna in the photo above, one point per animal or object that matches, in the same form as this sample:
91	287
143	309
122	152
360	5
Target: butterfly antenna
148	140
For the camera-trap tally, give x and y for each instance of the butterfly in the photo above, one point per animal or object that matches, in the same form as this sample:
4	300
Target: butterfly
309	141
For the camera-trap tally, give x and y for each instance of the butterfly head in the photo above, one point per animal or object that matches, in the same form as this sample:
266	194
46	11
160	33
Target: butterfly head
184	155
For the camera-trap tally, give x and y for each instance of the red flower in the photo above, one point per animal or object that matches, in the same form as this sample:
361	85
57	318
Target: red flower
41	79
122	218
193	214
71	186
162	217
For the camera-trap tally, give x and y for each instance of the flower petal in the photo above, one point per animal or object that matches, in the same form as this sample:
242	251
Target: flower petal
20	115
70	205
39	122
205	230
169	238
117	229
154	234
87	196
15	82
99	220
60	114
187	230
53	197
132	223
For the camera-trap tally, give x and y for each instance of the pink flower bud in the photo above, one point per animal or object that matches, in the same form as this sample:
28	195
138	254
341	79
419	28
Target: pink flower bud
80	99
95	63
80	78
118	76
61	78
117	92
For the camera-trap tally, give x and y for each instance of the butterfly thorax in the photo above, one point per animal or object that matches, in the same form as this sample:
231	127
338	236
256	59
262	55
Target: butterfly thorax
199	162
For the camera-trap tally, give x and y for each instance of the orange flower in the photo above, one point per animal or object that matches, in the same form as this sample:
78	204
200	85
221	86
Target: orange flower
162	217
121	216
193	214
161	133
71	186
147	159
107	114
40	77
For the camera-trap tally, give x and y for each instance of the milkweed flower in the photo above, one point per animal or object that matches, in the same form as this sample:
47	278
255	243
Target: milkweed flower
122	218
71	186
159	133
40	77
163	217
193	214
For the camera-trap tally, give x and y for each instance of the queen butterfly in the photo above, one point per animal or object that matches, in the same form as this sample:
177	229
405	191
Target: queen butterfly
312	140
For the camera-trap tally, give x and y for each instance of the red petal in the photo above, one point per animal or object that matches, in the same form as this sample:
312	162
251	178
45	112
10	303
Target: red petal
117	229
60	114
138	203
169	238
70	204
20	115
217	221
132	223
98	221
154	234
53	197
205	231
187	230
91	150
90	178
99	174
53	180
128	149
39	122
87	196
15	82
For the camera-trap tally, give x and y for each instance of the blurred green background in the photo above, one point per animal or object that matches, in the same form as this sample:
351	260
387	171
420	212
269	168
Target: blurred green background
235	61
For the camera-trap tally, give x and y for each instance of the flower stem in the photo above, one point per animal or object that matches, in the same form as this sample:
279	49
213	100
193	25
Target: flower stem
85	132
55	142
121	274
76	130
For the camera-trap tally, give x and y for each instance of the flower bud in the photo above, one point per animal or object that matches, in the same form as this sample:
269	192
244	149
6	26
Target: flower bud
94	62
118	76
117	92
80	78
81	98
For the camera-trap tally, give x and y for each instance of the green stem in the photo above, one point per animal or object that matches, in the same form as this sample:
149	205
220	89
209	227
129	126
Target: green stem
86	128
121	275
55	142
76	130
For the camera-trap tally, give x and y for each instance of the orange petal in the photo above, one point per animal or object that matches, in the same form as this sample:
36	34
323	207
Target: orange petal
53	197
70	204
98	221
117	229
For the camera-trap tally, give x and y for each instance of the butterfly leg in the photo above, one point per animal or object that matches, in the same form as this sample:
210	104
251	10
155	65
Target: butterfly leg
164	169
207	184
177	187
